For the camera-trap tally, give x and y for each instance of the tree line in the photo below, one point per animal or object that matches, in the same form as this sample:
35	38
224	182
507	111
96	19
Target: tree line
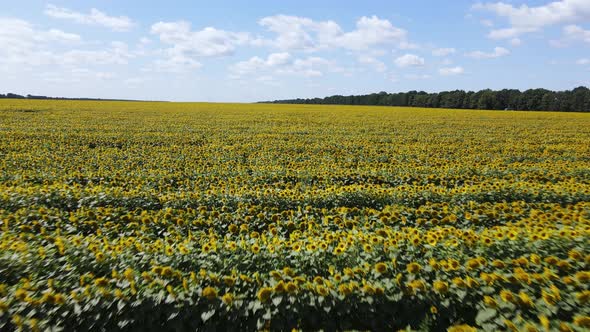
576	100
17	96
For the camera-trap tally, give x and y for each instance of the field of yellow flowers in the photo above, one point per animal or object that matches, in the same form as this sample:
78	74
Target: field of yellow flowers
170	216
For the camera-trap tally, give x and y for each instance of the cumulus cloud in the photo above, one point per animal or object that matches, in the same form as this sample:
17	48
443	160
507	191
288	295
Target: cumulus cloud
256	64
283	64
308	67
27	46
15	31
448	71
75	75
175	64
574	32
301	33
417	76
95	17
498	52
208	42
443	51
118	53
186	46
373	62
24	44
524	19
515	42
409	60
487	23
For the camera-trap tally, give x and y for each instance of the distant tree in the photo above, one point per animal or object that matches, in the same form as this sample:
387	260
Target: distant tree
576	100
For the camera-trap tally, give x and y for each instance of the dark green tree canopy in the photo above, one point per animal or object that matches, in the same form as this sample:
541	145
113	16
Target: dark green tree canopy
576	100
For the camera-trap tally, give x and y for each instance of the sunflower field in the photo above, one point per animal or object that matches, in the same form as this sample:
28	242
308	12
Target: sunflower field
142	216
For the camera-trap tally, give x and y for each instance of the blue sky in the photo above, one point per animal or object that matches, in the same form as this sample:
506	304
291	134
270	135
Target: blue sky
264	50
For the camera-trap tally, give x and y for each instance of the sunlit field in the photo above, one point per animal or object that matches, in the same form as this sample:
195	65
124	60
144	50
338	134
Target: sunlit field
186	216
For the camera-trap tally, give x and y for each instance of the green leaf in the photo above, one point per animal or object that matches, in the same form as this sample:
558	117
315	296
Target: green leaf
277	300
207	314
485	315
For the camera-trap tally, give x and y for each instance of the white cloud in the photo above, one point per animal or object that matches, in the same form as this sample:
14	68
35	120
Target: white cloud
575	32
135	82
268	80
296	32
278	59
583	61
487	23
75	75
208	42
448	71
300	33
283	64
118	54
409	60
95	17
256	64
373	62
446	62
17	32
28	46
371	31
508	33
392	77
498	52
25	46
515	42
443	51
175	64
417	76
60	36
525	19
309	67
570	35
187	46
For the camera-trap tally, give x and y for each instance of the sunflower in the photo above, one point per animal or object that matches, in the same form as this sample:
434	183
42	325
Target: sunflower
322	290
417	285
544	321
575	255
473	264
440	286
510	325
291	287
549	298
583	276
279	287
101	282
524	299
583	296
461	328
582	321
209	292
487	241
264	294
381	267
276	275
459	282
507	296
413	268
255	248
344	289
490	301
